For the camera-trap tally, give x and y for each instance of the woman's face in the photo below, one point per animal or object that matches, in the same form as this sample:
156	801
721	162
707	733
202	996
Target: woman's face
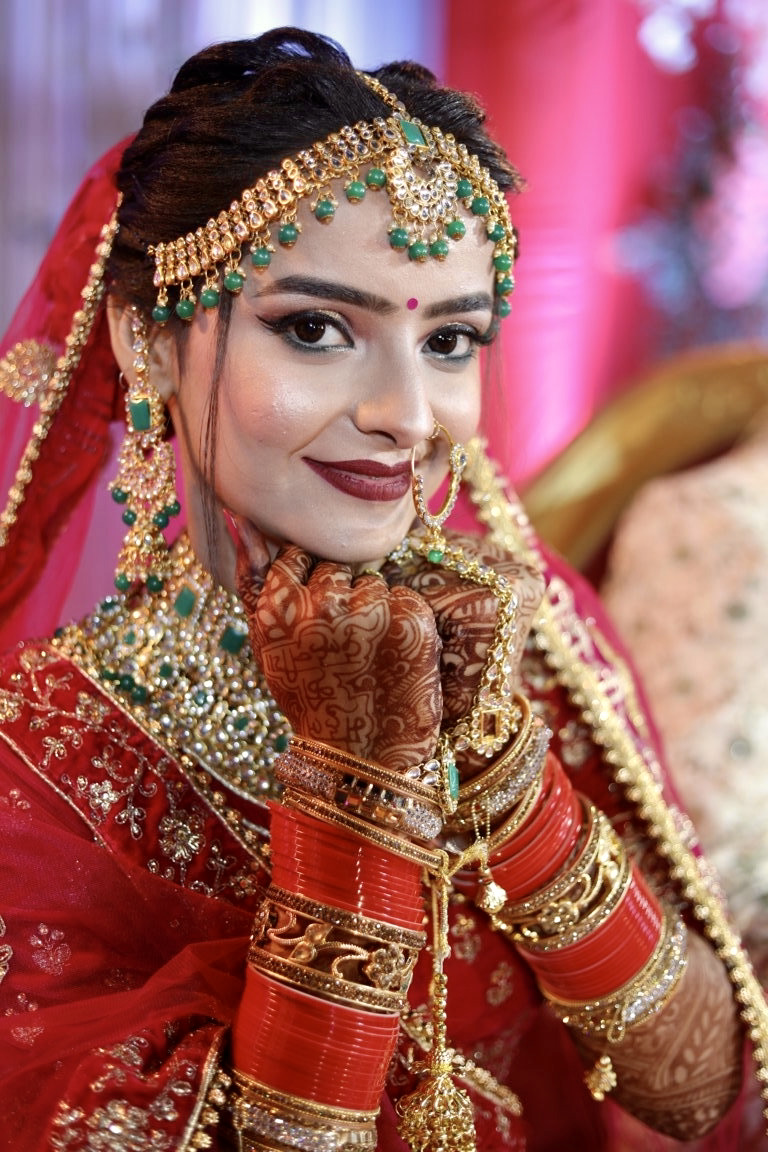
340	358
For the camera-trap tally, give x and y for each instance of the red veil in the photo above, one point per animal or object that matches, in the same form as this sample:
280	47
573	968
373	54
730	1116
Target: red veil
78	442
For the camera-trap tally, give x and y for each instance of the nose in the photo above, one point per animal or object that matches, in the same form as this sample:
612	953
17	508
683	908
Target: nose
395	401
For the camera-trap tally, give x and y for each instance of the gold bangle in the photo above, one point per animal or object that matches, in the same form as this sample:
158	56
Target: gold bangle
264	1118
351	922
326	985
593	896
393	800
498	788
581	857
307	947
641	997
397	845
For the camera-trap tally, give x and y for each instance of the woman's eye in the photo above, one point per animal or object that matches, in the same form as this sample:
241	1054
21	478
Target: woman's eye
311	330
453	343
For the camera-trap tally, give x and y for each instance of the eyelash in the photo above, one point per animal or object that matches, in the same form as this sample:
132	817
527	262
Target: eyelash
283	324
282	327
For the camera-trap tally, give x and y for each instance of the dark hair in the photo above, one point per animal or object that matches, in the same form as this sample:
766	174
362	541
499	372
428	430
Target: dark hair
234	112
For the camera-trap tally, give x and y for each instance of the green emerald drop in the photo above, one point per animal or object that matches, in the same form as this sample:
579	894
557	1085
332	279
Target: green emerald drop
398	238
496	233
184	602
139	693
126	683
439	249
262	257
456	229
503	307
161	313
480	206
141	414
209	298
154	583
355	191
376	178
233	281
418	251
281	742
185	309
165	671
119	495
160	519
241	723
453	779
502	262
122	583
464	188
129	517
435	555
504	286
173	508
325	211
287	235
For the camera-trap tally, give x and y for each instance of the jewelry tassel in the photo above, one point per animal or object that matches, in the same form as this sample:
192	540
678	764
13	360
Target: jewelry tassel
437	1116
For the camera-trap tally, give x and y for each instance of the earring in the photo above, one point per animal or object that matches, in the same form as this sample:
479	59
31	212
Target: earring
145	482
433	521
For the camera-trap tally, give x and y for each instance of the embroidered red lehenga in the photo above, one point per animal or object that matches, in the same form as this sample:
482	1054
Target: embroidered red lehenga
135	832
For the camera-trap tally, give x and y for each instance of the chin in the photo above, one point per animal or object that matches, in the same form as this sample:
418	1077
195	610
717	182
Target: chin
366	550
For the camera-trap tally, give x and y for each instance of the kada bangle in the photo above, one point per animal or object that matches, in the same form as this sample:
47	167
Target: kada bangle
640	998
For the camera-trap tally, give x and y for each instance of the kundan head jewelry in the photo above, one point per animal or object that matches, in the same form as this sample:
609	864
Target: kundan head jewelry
431	180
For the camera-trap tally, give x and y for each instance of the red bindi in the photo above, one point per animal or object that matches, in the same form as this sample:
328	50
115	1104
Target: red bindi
412	303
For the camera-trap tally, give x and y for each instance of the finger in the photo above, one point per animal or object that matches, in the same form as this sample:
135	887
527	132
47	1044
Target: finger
329	576
292	565
252	560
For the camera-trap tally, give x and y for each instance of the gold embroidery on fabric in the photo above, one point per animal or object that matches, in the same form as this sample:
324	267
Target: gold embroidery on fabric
118	1126
578	654
6	953
502	984
465	938
49	951
25	1034
127	778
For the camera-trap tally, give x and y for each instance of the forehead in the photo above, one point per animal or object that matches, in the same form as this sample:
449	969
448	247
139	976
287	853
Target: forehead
354	248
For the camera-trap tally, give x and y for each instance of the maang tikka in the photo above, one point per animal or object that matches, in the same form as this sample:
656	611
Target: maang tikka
145	484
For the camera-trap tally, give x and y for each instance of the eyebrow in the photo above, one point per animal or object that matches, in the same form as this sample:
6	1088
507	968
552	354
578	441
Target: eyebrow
359	298
329	290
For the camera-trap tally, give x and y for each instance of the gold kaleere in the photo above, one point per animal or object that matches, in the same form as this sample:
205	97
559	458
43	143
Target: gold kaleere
437	1116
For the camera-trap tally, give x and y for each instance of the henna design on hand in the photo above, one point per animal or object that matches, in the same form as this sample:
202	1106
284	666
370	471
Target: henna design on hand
679	1071
350	661
465	615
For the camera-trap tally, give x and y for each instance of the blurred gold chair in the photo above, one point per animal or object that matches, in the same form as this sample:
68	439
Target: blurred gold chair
688	409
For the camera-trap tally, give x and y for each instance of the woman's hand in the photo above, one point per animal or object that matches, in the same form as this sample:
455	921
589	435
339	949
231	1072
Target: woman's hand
466	615
350	661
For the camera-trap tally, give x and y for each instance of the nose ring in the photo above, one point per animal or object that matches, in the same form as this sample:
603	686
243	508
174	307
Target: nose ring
433	521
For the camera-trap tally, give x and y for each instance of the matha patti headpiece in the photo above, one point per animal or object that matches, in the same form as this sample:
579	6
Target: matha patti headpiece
428	177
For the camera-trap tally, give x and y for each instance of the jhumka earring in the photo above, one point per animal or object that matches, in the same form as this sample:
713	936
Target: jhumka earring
145	482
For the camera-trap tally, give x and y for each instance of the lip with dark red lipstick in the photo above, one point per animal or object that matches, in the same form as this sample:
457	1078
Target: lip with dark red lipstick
366	479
